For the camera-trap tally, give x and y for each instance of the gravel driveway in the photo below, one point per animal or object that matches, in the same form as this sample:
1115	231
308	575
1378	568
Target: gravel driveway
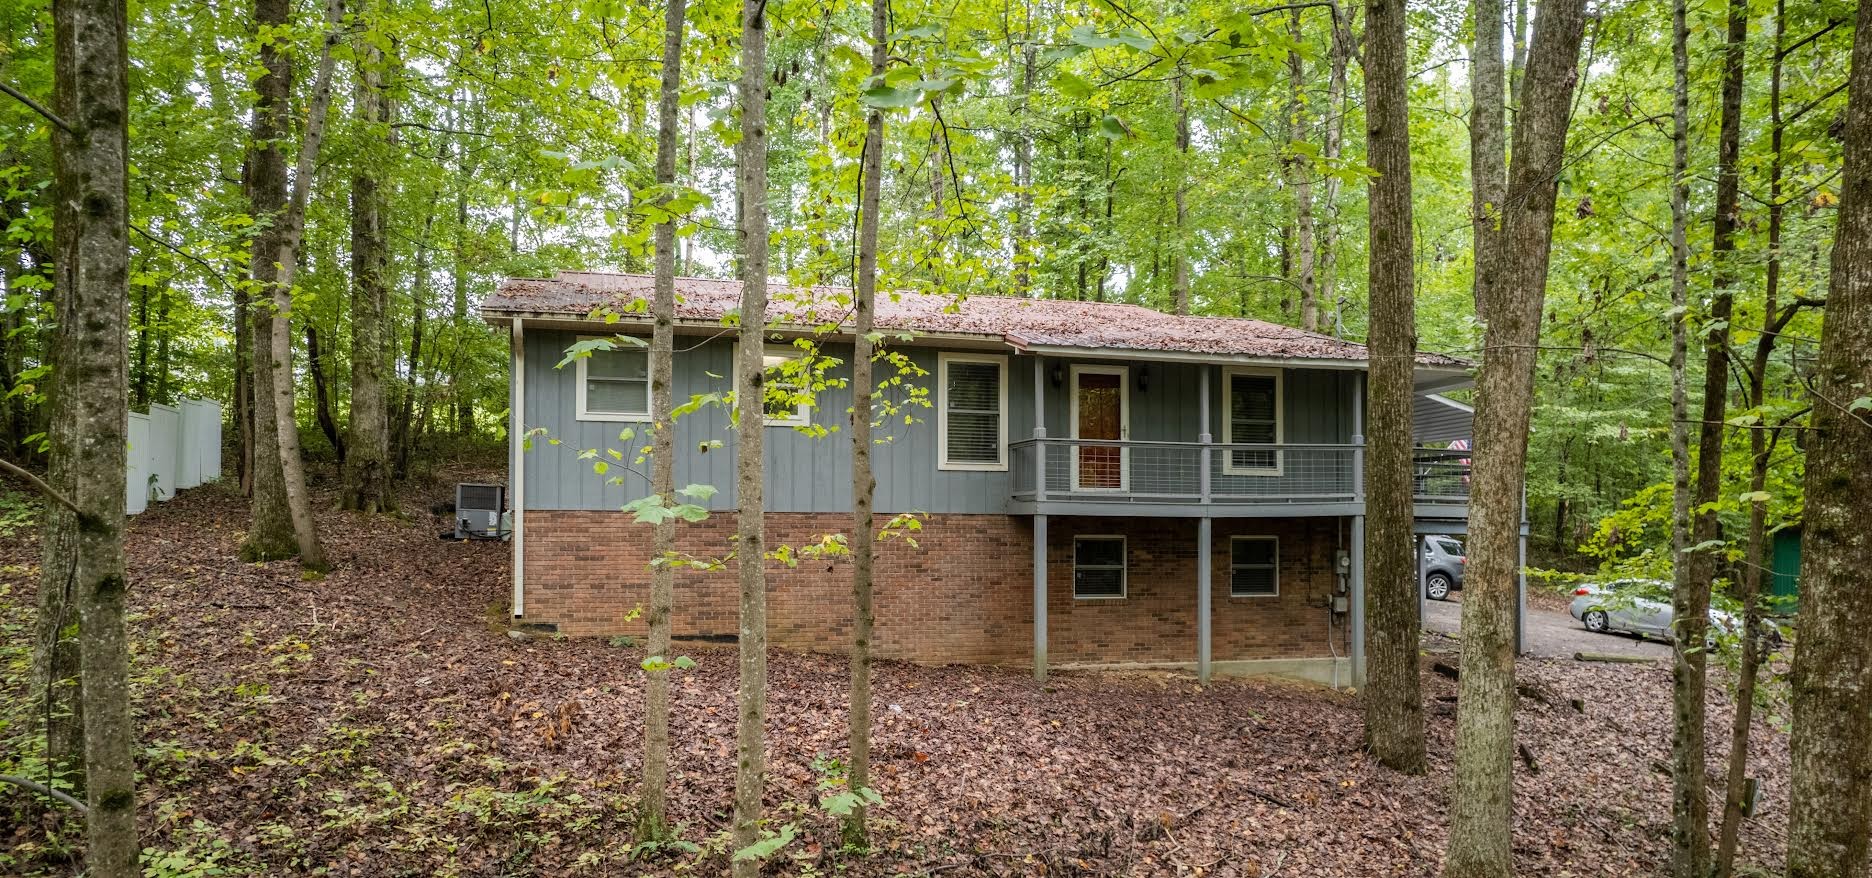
1550	633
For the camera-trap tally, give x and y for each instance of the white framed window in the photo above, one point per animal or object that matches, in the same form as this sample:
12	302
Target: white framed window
784	412
1252	407
1098	567
1254	567
971	412
614	385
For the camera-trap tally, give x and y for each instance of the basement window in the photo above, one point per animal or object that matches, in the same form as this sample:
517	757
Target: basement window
1098	567
1254	567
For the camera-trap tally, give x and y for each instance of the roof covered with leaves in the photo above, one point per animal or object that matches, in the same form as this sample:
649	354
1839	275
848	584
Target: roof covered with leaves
1023	324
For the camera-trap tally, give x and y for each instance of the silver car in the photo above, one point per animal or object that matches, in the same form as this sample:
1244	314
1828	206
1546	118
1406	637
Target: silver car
1636	606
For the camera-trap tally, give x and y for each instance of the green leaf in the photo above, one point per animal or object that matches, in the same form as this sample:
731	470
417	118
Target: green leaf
699	492
1756	497
890	98
684	662
1114	128
1072	86
769	845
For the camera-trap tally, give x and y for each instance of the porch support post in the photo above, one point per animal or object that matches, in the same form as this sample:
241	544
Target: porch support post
1203	530
1039	433
1040	598
516	463
1357	601
1205	437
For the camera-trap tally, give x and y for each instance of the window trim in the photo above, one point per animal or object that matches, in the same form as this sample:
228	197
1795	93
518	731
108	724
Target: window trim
1228	419
582	413
1000	361
801	417
1124	568
1239	538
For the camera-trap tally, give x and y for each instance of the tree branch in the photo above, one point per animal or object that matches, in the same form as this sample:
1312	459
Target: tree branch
41	487
39	108
42	789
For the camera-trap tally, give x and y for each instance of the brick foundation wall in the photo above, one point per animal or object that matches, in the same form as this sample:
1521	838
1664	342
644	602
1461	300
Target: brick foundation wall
964	595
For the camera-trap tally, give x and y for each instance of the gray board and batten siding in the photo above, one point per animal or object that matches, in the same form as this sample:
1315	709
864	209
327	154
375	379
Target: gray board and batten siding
808	474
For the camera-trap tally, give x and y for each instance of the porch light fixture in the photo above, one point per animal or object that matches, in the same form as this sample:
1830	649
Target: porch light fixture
1143	379
1059	375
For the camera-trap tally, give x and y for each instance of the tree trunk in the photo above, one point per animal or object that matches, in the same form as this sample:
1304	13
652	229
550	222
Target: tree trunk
1300	174
84	558
279	351
141	372
163	333
1394	725
405	435
751	542
1831	791
652	814
270	532
1482	804
321	391
864	484
458	387
1023	164
1684	761
1488	158
1690	842
1750	592
1332	145
1179	250
365	485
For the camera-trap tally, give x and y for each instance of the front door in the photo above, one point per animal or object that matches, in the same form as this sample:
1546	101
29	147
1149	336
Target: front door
1099	412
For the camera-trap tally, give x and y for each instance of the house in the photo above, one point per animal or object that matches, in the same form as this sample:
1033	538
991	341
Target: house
1104	484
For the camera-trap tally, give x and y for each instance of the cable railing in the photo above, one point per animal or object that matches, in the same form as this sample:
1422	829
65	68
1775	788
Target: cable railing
1115	471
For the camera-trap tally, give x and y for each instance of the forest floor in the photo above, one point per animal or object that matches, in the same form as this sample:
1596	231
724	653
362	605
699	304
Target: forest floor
381	721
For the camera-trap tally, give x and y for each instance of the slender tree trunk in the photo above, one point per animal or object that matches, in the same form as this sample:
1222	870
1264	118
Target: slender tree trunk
1488	157
84	559
864	484
1394	725
1690	842
751	541
1179	249
1831	791
292	231
1685	762
1023	163
1332	146
652	815
1735	792
1482	802
1517	63
365	485
1300	174
403	437
321	391
141	372
164	298
458	386
270	532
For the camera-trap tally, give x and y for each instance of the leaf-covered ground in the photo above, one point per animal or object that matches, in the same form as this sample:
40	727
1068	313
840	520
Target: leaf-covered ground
381	721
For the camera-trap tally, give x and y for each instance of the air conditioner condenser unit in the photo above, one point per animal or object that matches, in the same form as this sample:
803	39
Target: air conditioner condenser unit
481	512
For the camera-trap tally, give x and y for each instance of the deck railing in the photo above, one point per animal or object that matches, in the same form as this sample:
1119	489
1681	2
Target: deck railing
1109	471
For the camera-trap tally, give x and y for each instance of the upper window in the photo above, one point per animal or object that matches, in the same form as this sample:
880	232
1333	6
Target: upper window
787	389
1254	567
1252	408
971	411
1098	567
614	385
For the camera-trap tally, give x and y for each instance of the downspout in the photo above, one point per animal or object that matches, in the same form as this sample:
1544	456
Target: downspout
1356	623
516	462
